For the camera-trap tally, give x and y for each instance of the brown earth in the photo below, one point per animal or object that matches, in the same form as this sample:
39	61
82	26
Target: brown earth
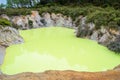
66	75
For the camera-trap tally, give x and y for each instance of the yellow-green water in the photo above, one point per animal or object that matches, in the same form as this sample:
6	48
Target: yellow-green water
57	48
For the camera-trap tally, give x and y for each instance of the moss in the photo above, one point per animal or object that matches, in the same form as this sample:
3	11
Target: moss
4	22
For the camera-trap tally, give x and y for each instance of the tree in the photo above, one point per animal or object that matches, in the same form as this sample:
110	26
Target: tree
21	3
2	6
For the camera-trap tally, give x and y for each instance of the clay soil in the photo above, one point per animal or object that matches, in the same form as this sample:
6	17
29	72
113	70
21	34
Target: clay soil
66	75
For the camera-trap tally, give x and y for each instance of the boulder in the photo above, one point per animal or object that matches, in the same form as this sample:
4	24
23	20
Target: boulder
105	38
77	21
91	26
9	36
59	20
20	21
48	20
83	21
115	32
68	22
36	18
53	16
5	16
103	30
94	36
83	29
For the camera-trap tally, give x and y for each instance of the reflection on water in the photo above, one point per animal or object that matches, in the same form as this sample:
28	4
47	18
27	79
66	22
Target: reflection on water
43	62
57	48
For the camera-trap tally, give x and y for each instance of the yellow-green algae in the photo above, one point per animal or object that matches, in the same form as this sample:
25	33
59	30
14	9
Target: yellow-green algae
57	48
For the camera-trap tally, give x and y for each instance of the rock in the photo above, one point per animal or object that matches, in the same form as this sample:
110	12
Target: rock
84	30
94	36
59	20
53	16
91	26
68	22
2	54
36	18
25	22
77	21
9	36
5	16
115	32
103	30
83	21
48	20
105	39
21	21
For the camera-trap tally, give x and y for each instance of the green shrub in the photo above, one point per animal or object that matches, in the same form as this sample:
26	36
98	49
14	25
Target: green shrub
4	22
108	17
100	16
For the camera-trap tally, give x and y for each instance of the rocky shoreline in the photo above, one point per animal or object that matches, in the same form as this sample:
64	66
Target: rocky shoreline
102	35
8	36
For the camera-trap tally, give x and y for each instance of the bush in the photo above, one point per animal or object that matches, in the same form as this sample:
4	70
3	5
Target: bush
4	22
107	17
15	11
100	16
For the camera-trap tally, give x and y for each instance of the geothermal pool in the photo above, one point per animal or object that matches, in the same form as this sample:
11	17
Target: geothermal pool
57	48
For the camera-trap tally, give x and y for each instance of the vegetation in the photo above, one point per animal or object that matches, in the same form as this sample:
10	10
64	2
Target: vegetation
21	3
104	14
98	15
2	6
37	3
5	22
106	17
